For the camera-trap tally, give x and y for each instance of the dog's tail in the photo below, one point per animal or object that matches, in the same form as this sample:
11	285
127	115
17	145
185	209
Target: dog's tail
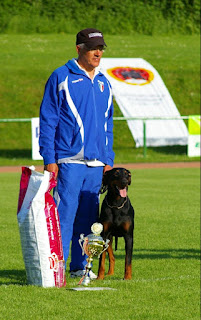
116	242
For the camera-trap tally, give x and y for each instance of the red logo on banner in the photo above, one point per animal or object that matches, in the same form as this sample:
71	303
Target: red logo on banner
53	259
129	75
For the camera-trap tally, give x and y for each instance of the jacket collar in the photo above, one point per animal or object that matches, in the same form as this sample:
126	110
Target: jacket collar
76	68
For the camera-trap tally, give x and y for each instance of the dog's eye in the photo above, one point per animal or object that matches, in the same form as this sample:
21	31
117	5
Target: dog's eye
116	174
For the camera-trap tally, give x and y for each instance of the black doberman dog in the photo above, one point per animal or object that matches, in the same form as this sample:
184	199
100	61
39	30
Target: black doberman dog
117	218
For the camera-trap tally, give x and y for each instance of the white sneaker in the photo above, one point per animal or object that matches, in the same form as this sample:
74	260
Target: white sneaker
77	274
80	273
92	275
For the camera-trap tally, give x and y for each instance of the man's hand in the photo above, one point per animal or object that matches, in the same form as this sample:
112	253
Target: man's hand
106	168
52	167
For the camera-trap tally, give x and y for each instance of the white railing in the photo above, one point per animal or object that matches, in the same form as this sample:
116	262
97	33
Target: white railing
144	119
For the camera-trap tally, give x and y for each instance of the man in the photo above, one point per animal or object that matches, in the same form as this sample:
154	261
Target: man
76	140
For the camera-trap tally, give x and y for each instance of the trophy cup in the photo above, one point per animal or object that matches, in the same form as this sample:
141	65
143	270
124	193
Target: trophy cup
93	245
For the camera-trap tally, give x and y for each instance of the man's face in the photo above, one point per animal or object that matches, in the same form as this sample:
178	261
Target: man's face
90	59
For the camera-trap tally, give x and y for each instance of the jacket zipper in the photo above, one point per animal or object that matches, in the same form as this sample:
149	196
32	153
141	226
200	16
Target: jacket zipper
94	101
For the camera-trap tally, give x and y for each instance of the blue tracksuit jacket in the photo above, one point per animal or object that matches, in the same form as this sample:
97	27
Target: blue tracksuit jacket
76	117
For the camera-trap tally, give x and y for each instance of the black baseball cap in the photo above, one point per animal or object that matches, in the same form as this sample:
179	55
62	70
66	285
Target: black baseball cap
91	38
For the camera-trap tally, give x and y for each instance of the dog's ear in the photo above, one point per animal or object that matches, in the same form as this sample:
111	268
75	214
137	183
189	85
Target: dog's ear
105	182
129	177
106	177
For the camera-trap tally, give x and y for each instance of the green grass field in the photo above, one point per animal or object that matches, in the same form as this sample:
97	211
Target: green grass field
166	258
26	61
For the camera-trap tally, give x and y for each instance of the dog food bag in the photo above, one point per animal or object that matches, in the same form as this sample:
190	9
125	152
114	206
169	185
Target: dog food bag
40	231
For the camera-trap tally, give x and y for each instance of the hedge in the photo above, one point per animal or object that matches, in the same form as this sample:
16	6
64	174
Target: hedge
115	17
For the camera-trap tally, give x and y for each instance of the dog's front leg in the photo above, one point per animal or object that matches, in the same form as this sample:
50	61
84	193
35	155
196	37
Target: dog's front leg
101	269
111	259
128	257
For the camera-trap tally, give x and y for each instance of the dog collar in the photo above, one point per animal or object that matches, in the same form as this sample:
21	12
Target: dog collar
116	207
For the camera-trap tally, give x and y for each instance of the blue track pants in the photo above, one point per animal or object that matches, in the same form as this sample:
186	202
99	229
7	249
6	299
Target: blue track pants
77	200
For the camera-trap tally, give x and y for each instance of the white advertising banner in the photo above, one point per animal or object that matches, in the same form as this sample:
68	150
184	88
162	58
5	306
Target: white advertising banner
35	137
194	124
140	92
194	146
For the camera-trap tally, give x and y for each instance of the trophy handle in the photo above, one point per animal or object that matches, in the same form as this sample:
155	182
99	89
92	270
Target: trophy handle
106	246
80	242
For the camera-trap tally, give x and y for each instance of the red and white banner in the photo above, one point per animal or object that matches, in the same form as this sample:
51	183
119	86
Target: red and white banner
39	228
140	92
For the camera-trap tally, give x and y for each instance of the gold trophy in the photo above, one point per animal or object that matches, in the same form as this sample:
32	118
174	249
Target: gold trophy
93	245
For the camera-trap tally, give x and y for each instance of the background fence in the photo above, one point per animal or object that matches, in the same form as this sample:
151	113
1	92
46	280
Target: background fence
145	120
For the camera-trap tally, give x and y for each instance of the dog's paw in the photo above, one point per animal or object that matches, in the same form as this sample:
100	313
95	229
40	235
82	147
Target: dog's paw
127	277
